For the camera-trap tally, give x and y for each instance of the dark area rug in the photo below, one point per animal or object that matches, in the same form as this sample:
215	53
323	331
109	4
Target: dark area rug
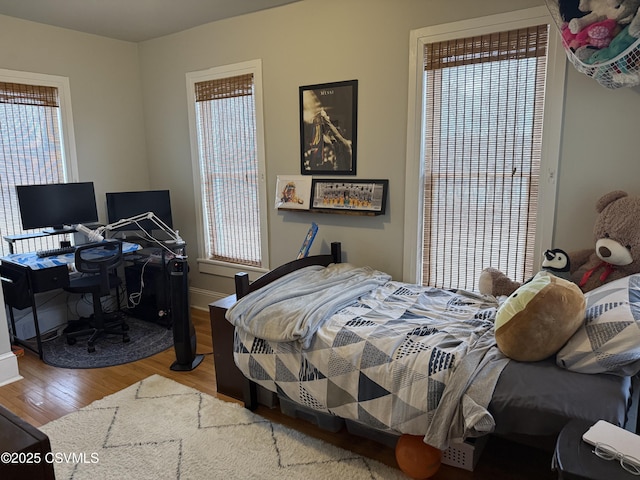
146	339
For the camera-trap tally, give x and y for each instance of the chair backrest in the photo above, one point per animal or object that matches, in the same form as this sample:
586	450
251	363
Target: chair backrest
99	259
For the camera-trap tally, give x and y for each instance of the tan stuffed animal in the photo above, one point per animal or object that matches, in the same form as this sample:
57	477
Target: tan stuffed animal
539	318
616	254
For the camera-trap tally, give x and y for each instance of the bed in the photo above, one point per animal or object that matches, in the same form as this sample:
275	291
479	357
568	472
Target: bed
352	344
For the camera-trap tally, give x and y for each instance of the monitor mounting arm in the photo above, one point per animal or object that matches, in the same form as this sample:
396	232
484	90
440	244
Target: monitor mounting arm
97	234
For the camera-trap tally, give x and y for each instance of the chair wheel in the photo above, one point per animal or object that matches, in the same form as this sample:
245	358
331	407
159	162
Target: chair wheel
71	341
125	339
91	349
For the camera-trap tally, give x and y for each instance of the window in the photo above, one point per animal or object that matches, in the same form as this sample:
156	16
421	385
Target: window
35	144
227	141
482	96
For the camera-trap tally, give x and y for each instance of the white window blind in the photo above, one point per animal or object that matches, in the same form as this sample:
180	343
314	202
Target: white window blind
225	113
30	152
484	102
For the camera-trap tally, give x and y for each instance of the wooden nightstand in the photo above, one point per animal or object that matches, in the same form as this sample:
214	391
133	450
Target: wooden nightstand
229	379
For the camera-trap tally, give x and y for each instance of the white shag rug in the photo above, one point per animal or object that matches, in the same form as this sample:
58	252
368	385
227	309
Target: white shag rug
160	429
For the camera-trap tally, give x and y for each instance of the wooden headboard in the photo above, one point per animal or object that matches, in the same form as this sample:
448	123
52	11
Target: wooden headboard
243	287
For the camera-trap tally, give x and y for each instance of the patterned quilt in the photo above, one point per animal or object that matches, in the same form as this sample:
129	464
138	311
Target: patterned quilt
399	358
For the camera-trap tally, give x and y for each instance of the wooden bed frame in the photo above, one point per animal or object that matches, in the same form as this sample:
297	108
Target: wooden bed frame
250	389
243	287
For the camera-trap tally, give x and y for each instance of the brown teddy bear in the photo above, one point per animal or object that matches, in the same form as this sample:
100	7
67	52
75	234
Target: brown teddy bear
616	253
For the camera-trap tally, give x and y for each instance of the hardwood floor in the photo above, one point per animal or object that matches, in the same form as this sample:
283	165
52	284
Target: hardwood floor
47	393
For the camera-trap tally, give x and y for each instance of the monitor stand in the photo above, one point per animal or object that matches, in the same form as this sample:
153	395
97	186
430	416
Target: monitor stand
58	230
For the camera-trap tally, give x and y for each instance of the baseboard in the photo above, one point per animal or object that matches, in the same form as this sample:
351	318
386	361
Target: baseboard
200	298
9	369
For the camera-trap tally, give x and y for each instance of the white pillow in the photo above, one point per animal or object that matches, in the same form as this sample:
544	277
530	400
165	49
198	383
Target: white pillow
609	339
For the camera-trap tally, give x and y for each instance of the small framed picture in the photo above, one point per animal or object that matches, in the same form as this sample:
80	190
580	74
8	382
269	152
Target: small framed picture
293	192
349	195
328	128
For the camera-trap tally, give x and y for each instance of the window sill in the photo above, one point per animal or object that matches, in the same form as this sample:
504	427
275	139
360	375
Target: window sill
224	269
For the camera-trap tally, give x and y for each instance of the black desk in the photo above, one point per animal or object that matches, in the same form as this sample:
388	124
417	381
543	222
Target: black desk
20	284
24	275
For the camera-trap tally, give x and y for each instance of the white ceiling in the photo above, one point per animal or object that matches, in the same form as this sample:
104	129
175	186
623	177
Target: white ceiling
131	20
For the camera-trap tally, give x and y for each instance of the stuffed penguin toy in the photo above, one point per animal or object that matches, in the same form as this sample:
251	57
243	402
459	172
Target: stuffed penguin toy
493	282
557	261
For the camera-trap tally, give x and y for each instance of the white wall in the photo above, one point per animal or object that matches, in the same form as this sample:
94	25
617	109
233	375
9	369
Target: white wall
600	153
105	96
8	361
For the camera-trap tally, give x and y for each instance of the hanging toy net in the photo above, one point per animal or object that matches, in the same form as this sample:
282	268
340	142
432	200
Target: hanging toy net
604	45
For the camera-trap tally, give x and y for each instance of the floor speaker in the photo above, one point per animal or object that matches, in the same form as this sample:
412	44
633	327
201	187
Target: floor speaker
184	335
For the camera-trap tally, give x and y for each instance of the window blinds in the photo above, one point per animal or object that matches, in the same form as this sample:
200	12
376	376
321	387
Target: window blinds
483	120
230	87
225	112
30	150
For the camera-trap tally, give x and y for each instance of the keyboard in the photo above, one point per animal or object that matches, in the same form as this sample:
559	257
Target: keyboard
55	251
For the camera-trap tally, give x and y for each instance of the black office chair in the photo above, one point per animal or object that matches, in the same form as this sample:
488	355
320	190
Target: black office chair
97	262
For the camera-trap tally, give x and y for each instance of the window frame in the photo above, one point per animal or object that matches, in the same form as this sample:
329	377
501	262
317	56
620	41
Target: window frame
67	134
68	147
207	265
552	121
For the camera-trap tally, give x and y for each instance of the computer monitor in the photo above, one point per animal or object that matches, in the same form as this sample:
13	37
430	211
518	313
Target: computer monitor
52	206
121	205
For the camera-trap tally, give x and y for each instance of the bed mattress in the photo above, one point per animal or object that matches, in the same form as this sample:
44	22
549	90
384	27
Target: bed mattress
402	358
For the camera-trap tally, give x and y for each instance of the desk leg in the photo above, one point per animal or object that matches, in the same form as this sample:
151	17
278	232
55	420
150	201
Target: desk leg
36	324
35	321
35	313
21	283
13	322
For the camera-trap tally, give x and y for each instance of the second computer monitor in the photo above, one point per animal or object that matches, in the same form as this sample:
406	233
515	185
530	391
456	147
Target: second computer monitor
121	205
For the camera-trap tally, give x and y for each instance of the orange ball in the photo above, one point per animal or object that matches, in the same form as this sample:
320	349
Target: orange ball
417	459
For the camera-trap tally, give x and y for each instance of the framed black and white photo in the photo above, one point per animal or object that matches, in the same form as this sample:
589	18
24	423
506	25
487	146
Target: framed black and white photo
369	196
328	128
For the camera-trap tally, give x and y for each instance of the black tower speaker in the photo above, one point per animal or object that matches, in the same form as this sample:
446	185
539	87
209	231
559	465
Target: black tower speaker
184	335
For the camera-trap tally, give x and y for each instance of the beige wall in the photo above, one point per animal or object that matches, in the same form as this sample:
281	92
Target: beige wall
304	43
316	41
599	154
308	42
